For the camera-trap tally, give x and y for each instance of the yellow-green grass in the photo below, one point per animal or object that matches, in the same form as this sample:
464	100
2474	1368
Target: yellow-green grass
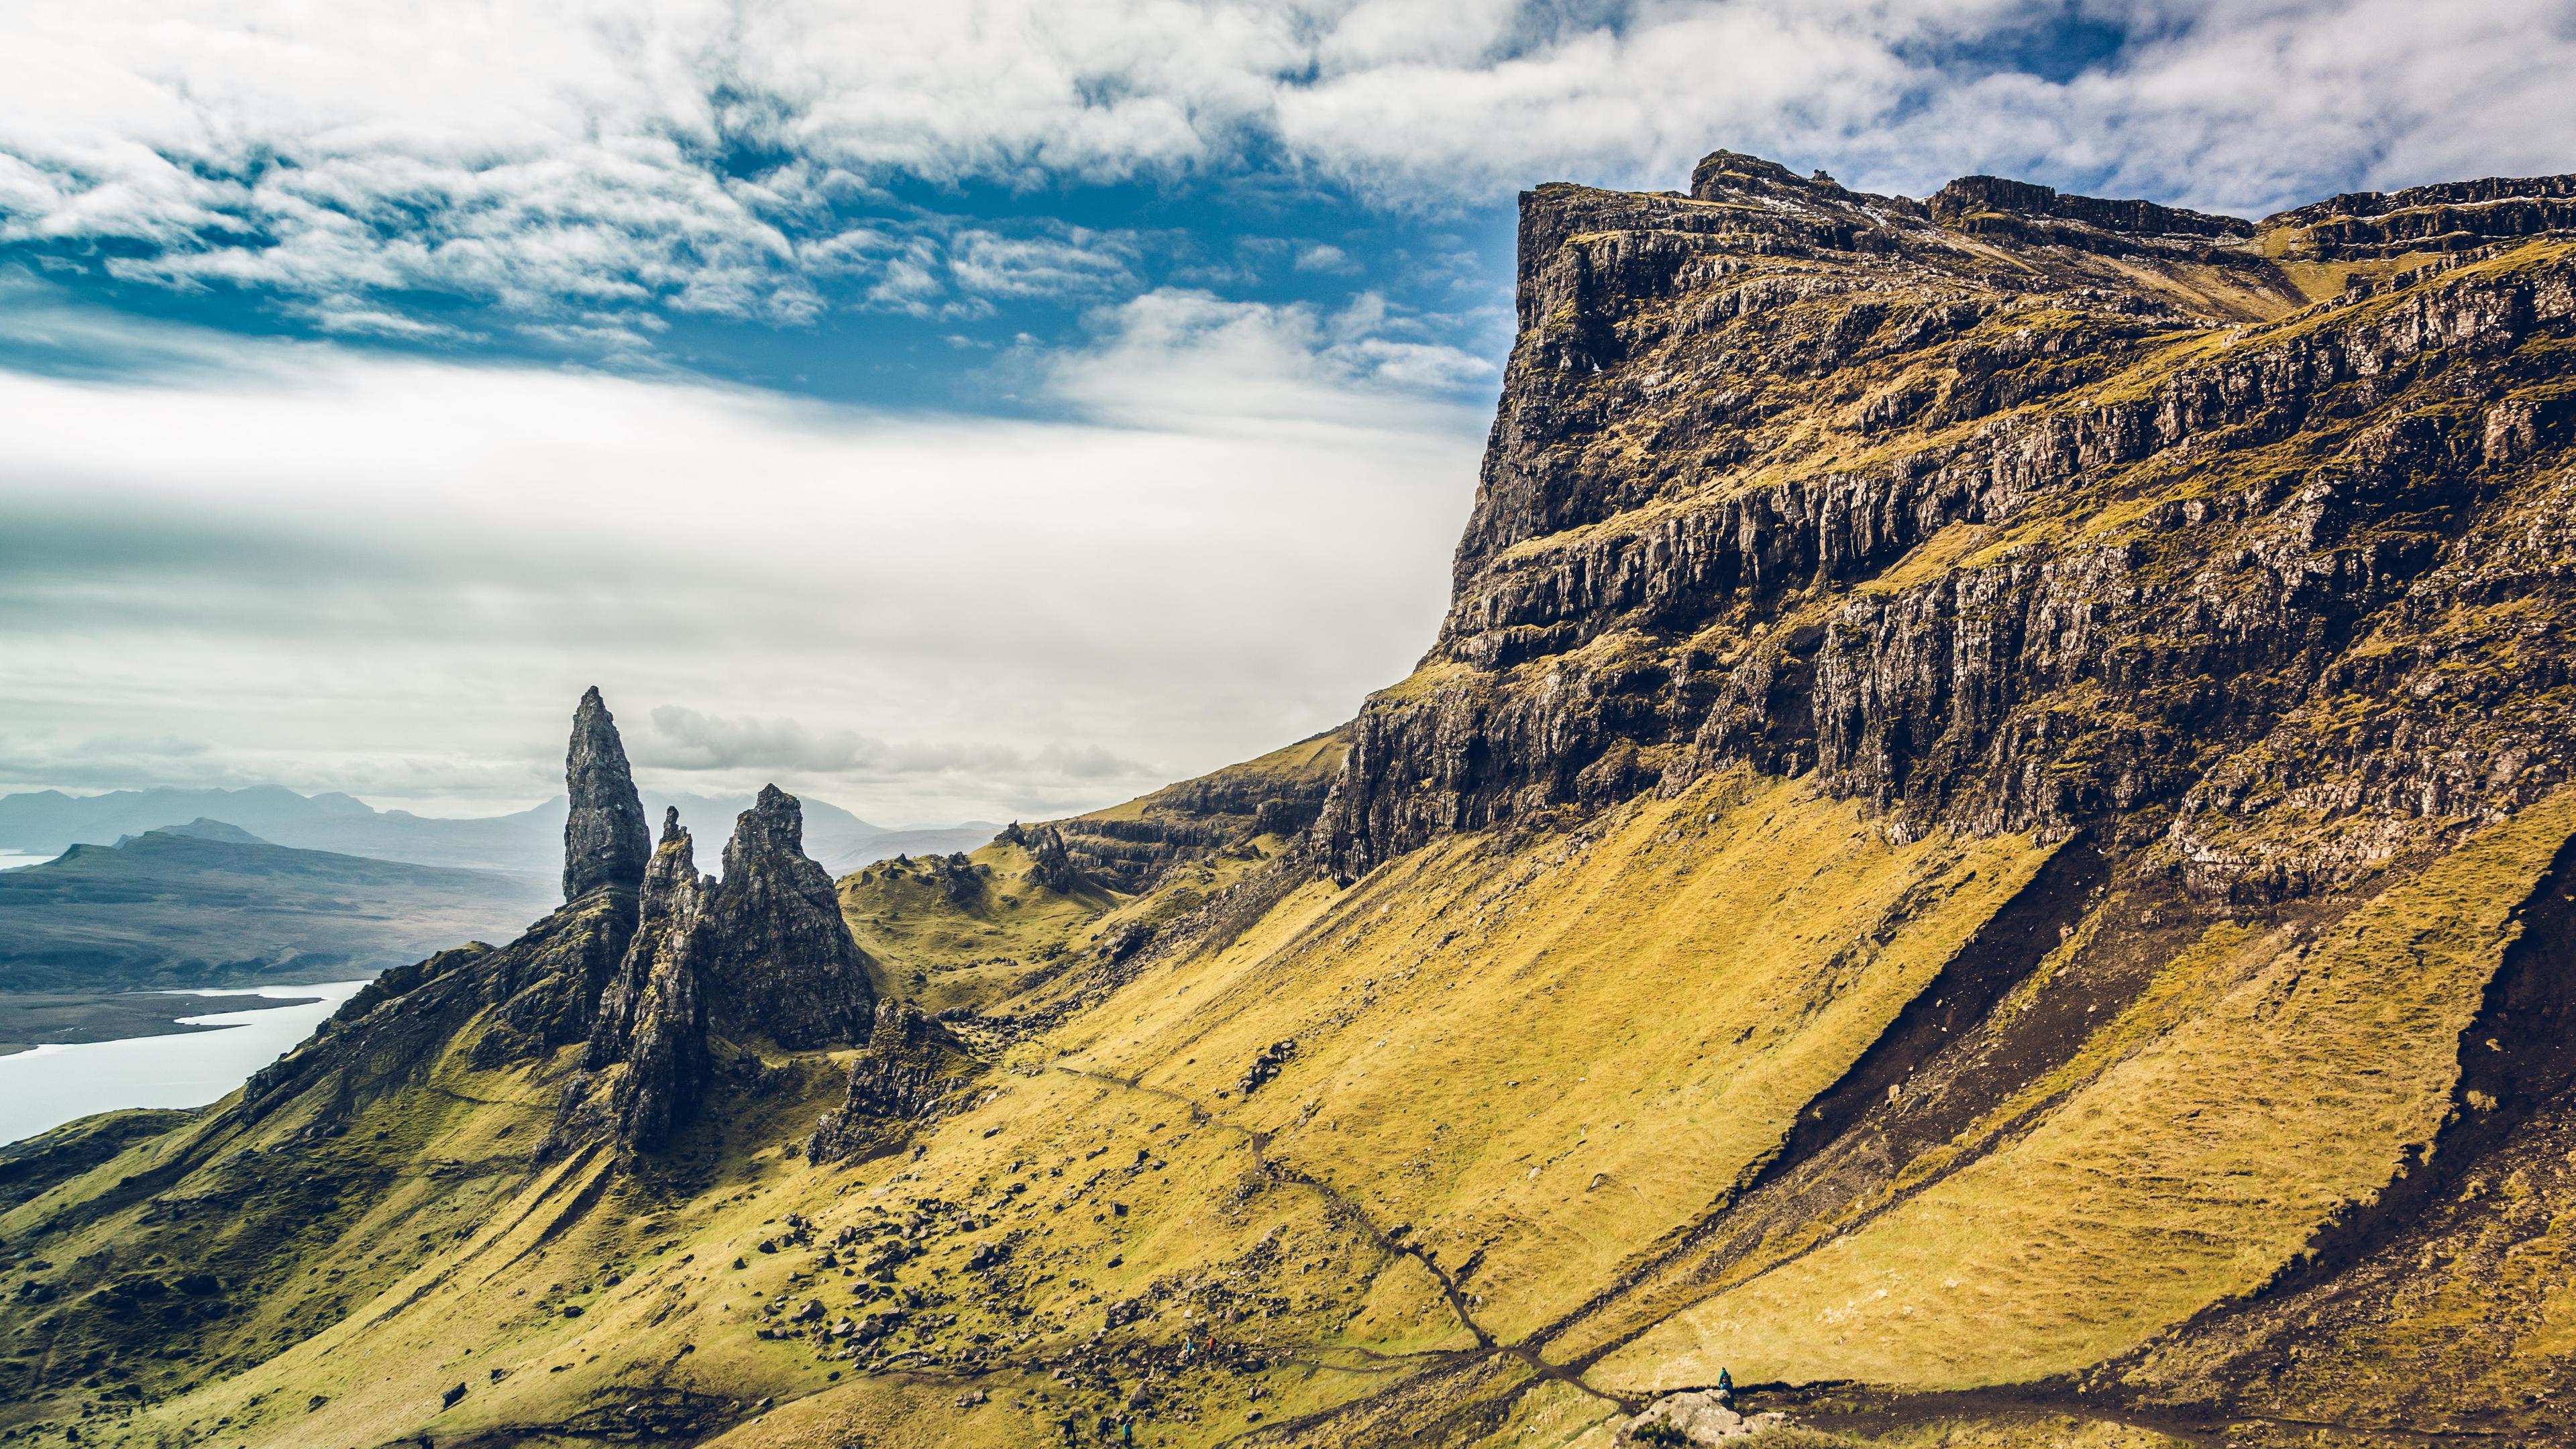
2264	1084
680	1318
1541	1055
1544	1060
939	954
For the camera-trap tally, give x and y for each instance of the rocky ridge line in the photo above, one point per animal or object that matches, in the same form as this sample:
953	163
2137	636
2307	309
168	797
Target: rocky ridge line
2055	513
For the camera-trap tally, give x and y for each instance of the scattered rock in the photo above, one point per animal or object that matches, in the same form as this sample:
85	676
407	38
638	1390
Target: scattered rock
1266	1065
1699	1417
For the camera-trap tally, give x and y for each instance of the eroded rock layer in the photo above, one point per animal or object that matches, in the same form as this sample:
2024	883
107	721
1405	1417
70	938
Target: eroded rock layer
2015	510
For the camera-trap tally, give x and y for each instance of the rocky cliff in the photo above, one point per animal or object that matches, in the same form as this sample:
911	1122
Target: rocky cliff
2014	510
779	965
1131	846
649	1037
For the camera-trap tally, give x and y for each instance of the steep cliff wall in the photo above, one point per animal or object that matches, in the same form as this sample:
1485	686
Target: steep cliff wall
2015	510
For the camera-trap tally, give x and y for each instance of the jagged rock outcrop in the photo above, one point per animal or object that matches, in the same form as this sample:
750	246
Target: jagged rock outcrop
911	1068
2014	510
760	957
605	843
778	961
650	1037
1051	865
959	879
534	995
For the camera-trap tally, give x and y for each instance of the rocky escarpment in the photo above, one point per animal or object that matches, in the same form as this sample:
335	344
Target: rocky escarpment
2015	510
1132	846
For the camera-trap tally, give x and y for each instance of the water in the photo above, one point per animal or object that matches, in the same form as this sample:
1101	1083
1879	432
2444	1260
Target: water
13	859
50	1085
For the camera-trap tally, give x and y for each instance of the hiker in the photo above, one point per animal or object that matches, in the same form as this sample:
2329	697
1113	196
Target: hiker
1725	1388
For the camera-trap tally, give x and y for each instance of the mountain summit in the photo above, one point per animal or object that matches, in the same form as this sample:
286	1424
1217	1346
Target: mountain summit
1984	856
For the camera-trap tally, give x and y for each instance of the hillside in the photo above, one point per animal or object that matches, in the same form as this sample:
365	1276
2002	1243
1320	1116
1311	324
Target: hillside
1985	848
207	904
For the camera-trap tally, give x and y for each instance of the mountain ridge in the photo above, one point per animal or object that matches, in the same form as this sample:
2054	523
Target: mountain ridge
48	821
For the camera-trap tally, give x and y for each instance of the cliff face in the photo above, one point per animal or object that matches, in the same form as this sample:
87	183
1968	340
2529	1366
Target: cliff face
2241	542
1129	847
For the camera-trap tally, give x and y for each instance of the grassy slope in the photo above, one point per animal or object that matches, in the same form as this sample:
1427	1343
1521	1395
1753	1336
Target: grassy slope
2266	1083
1545	1056
1549	1058
939	955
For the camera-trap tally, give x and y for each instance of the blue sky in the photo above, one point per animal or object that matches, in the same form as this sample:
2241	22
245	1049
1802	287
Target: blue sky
974	409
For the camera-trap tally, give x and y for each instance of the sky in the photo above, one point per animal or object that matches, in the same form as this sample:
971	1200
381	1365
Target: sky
977	409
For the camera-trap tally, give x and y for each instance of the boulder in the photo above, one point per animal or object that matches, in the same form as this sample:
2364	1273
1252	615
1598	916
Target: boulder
1699	1417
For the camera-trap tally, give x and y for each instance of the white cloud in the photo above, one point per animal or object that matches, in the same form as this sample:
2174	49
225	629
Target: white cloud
569	154
685	739
1324	257
1187	359
393	577
1079	264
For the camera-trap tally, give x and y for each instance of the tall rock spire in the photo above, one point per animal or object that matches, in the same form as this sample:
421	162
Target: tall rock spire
605	842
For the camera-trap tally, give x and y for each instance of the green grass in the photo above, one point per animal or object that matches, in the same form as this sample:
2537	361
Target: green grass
2263	1084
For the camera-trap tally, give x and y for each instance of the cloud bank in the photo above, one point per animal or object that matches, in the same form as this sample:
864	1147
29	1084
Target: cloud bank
389	576
736	159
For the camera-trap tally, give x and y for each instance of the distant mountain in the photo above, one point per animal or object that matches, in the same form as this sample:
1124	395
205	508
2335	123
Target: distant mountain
210	904
202	828
531	841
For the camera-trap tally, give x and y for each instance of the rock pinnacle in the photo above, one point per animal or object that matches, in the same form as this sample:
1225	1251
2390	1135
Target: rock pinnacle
605	842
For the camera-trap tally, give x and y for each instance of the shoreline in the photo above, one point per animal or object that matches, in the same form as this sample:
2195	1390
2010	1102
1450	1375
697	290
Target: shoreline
33	1019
